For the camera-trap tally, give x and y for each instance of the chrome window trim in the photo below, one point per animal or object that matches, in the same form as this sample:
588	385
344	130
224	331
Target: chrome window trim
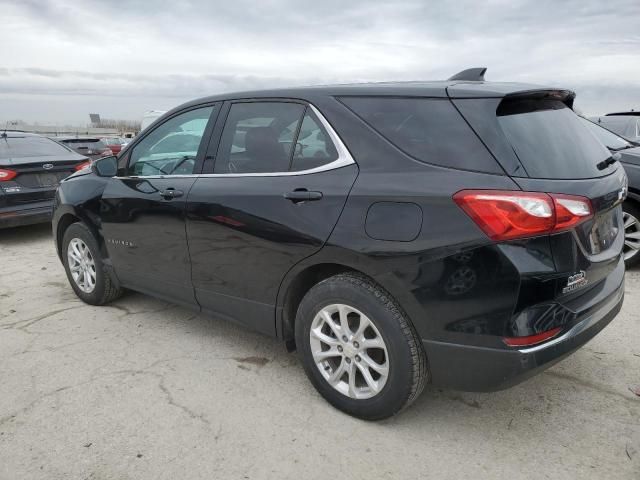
344	159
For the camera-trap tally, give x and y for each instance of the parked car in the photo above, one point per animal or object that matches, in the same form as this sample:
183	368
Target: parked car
626	124
93	148
629	155
462	233
31	167
114	144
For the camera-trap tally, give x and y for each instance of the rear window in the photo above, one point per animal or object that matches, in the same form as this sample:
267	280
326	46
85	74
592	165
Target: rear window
427	129
550	140
88	143
18	147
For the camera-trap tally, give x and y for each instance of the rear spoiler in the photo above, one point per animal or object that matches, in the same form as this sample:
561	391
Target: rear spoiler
565	96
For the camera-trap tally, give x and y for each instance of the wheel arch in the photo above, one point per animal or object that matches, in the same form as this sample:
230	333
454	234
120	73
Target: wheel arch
331	261
66	220
633	197
66	216
294	288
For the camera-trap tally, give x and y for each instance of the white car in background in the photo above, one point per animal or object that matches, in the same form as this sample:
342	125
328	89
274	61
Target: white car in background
149	117
626	124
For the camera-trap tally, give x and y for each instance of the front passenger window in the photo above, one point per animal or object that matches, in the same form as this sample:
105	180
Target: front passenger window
171	148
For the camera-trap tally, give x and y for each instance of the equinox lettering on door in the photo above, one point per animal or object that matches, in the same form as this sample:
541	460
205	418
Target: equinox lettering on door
121	243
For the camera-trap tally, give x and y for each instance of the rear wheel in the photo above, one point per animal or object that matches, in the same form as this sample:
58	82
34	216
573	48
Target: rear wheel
631	216
358	348
84	267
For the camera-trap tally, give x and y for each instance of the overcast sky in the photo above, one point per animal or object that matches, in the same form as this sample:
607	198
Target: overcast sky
60	59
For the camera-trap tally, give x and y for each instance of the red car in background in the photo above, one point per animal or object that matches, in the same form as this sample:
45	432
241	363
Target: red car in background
115	144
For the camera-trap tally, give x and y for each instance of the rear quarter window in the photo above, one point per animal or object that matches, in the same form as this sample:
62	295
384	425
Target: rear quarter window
428	129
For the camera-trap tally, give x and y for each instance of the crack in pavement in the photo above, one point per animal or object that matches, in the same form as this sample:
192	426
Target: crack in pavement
17	325
127	372
591	385
171	400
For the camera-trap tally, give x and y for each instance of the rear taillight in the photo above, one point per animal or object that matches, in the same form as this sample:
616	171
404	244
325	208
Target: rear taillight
531	339
107	152
6	175
570	210
82	165
506	215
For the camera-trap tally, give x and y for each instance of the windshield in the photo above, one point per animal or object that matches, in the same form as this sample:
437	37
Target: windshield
627	126
550	140
19	147
608	139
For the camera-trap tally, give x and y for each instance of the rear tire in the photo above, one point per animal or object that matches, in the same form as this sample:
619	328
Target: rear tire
382	349
85	268
631	215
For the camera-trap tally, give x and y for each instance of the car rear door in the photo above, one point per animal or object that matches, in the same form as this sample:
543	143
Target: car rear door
280	181
143	208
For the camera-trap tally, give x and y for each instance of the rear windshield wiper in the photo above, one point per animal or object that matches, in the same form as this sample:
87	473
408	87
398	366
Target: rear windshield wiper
609	161
623	148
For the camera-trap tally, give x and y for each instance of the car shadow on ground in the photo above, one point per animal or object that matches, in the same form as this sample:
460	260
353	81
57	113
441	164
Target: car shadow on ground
25	234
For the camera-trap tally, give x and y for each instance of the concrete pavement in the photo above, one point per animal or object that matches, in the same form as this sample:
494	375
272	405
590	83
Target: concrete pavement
143	389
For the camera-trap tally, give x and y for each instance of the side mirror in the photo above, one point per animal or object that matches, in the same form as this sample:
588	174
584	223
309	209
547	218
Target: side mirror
105	167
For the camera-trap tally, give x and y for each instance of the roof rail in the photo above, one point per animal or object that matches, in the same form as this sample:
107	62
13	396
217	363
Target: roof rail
470	74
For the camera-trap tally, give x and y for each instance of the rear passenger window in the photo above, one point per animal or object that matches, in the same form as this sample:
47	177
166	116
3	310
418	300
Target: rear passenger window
428	129
258	137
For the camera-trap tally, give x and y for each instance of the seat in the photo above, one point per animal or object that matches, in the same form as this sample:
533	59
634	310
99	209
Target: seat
263	151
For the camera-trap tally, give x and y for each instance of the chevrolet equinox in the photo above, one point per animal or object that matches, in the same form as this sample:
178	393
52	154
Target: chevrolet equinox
462	233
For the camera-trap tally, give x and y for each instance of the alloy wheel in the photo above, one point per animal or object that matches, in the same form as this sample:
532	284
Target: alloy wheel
81	265
349	351
631	235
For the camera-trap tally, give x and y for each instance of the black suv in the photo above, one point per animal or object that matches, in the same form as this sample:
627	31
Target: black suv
463	233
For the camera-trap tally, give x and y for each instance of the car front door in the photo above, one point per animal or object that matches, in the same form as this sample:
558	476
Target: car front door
280	181
143	208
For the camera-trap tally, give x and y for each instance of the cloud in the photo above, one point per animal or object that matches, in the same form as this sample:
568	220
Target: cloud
126	53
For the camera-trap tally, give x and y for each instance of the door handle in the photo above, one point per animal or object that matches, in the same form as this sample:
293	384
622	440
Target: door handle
170	193
302	195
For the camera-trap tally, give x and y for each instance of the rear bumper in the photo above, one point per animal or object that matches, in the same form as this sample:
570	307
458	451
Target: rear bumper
27	214
481	369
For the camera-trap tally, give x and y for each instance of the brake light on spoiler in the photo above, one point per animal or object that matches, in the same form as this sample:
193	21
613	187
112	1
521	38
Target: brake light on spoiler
508	215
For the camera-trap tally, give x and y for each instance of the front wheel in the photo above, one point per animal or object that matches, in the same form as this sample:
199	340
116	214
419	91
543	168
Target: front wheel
84	267
358	348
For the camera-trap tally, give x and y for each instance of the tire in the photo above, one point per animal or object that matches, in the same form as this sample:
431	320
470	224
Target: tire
632	225
364	303
100	289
